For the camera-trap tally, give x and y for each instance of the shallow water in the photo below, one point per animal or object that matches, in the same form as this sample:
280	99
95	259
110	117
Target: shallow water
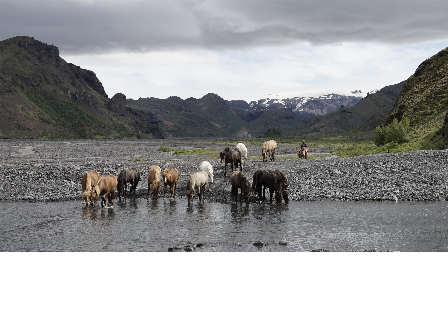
142	225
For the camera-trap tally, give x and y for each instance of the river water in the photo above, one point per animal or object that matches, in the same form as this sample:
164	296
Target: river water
146	225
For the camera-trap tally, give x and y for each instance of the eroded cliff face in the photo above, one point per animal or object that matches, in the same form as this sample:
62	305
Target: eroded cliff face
44	96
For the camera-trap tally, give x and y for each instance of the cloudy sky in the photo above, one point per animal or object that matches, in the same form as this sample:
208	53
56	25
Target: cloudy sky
238	49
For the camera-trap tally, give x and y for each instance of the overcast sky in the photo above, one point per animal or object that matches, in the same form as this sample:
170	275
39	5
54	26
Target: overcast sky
238	49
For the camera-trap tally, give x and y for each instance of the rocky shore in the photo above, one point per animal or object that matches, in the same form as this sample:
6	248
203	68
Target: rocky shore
50	171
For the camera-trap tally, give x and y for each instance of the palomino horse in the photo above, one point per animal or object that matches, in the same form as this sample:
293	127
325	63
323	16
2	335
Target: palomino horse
106	186
231	156
126	176
154	181
275	181
170	177
269	150
239	181
88	181
198	181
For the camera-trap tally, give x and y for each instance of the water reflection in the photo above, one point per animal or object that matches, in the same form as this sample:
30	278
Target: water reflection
239	211
95	213
202	210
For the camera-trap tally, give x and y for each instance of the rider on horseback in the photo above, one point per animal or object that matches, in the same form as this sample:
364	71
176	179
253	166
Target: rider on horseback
303	147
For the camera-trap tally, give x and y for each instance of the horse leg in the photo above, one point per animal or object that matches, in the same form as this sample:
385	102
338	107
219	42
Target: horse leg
164	190
175	187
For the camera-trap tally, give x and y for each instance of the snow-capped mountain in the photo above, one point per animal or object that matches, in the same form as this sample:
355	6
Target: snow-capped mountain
317	106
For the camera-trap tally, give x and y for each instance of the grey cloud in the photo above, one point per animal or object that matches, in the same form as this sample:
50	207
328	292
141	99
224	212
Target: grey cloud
140	25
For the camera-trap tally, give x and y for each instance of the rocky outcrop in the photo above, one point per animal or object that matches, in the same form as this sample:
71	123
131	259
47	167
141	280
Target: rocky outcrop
42	96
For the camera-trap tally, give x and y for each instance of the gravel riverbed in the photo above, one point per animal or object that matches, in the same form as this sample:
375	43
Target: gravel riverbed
49	171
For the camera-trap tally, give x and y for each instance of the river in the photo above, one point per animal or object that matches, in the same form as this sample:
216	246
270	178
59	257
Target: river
142	225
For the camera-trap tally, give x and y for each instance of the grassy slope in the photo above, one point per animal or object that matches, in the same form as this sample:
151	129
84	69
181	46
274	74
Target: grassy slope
44	96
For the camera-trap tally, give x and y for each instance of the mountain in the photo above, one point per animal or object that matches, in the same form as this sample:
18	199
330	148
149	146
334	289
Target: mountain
212	116
209	116
288	114
365	116
43	96
424	99
425	92
312	106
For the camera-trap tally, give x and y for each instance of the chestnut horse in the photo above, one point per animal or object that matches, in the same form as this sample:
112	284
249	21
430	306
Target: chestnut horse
239	181
231	156
88	181
275	181
126	176
106	186
154	181
170	177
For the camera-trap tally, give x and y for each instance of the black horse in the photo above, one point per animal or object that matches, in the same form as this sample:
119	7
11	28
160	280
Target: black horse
231	156
126	176
275	181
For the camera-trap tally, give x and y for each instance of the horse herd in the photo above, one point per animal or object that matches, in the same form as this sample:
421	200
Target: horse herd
95	187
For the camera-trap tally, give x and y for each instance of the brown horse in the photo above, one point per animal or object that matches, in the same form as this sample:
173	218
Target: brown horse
154	181
239	181
126	176
88	181
106	186
170	177
231	156
275	181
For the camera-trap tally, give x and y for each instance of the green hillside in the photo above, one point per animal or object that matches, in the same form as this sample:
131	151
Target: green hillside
42	96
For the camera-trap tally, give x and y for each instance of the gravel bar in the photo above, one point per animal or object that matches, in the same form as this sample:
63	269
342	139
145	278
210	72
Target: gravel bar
51	171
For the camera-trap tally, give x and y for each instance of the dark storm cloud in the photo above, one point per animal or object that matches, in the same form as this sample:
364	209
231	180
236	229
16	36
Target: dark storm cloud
87	26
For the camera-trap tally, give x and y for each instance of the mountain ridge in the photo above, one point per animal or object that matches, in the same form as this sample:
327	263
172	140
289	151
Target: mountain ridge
43	96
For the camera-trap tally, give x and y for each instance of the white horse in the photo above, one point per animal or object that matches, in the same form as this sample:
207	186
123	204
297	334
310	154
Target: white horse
207	168
199	181
243	150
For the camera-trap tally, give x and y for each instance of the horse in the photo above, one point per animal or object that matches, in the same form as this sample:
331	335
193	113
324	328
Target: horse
275	181
303	153
231	156
199	181
88	181
284	184
269	150
154	181
206	167
170	177
239	181
106	186
126	176
243	150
